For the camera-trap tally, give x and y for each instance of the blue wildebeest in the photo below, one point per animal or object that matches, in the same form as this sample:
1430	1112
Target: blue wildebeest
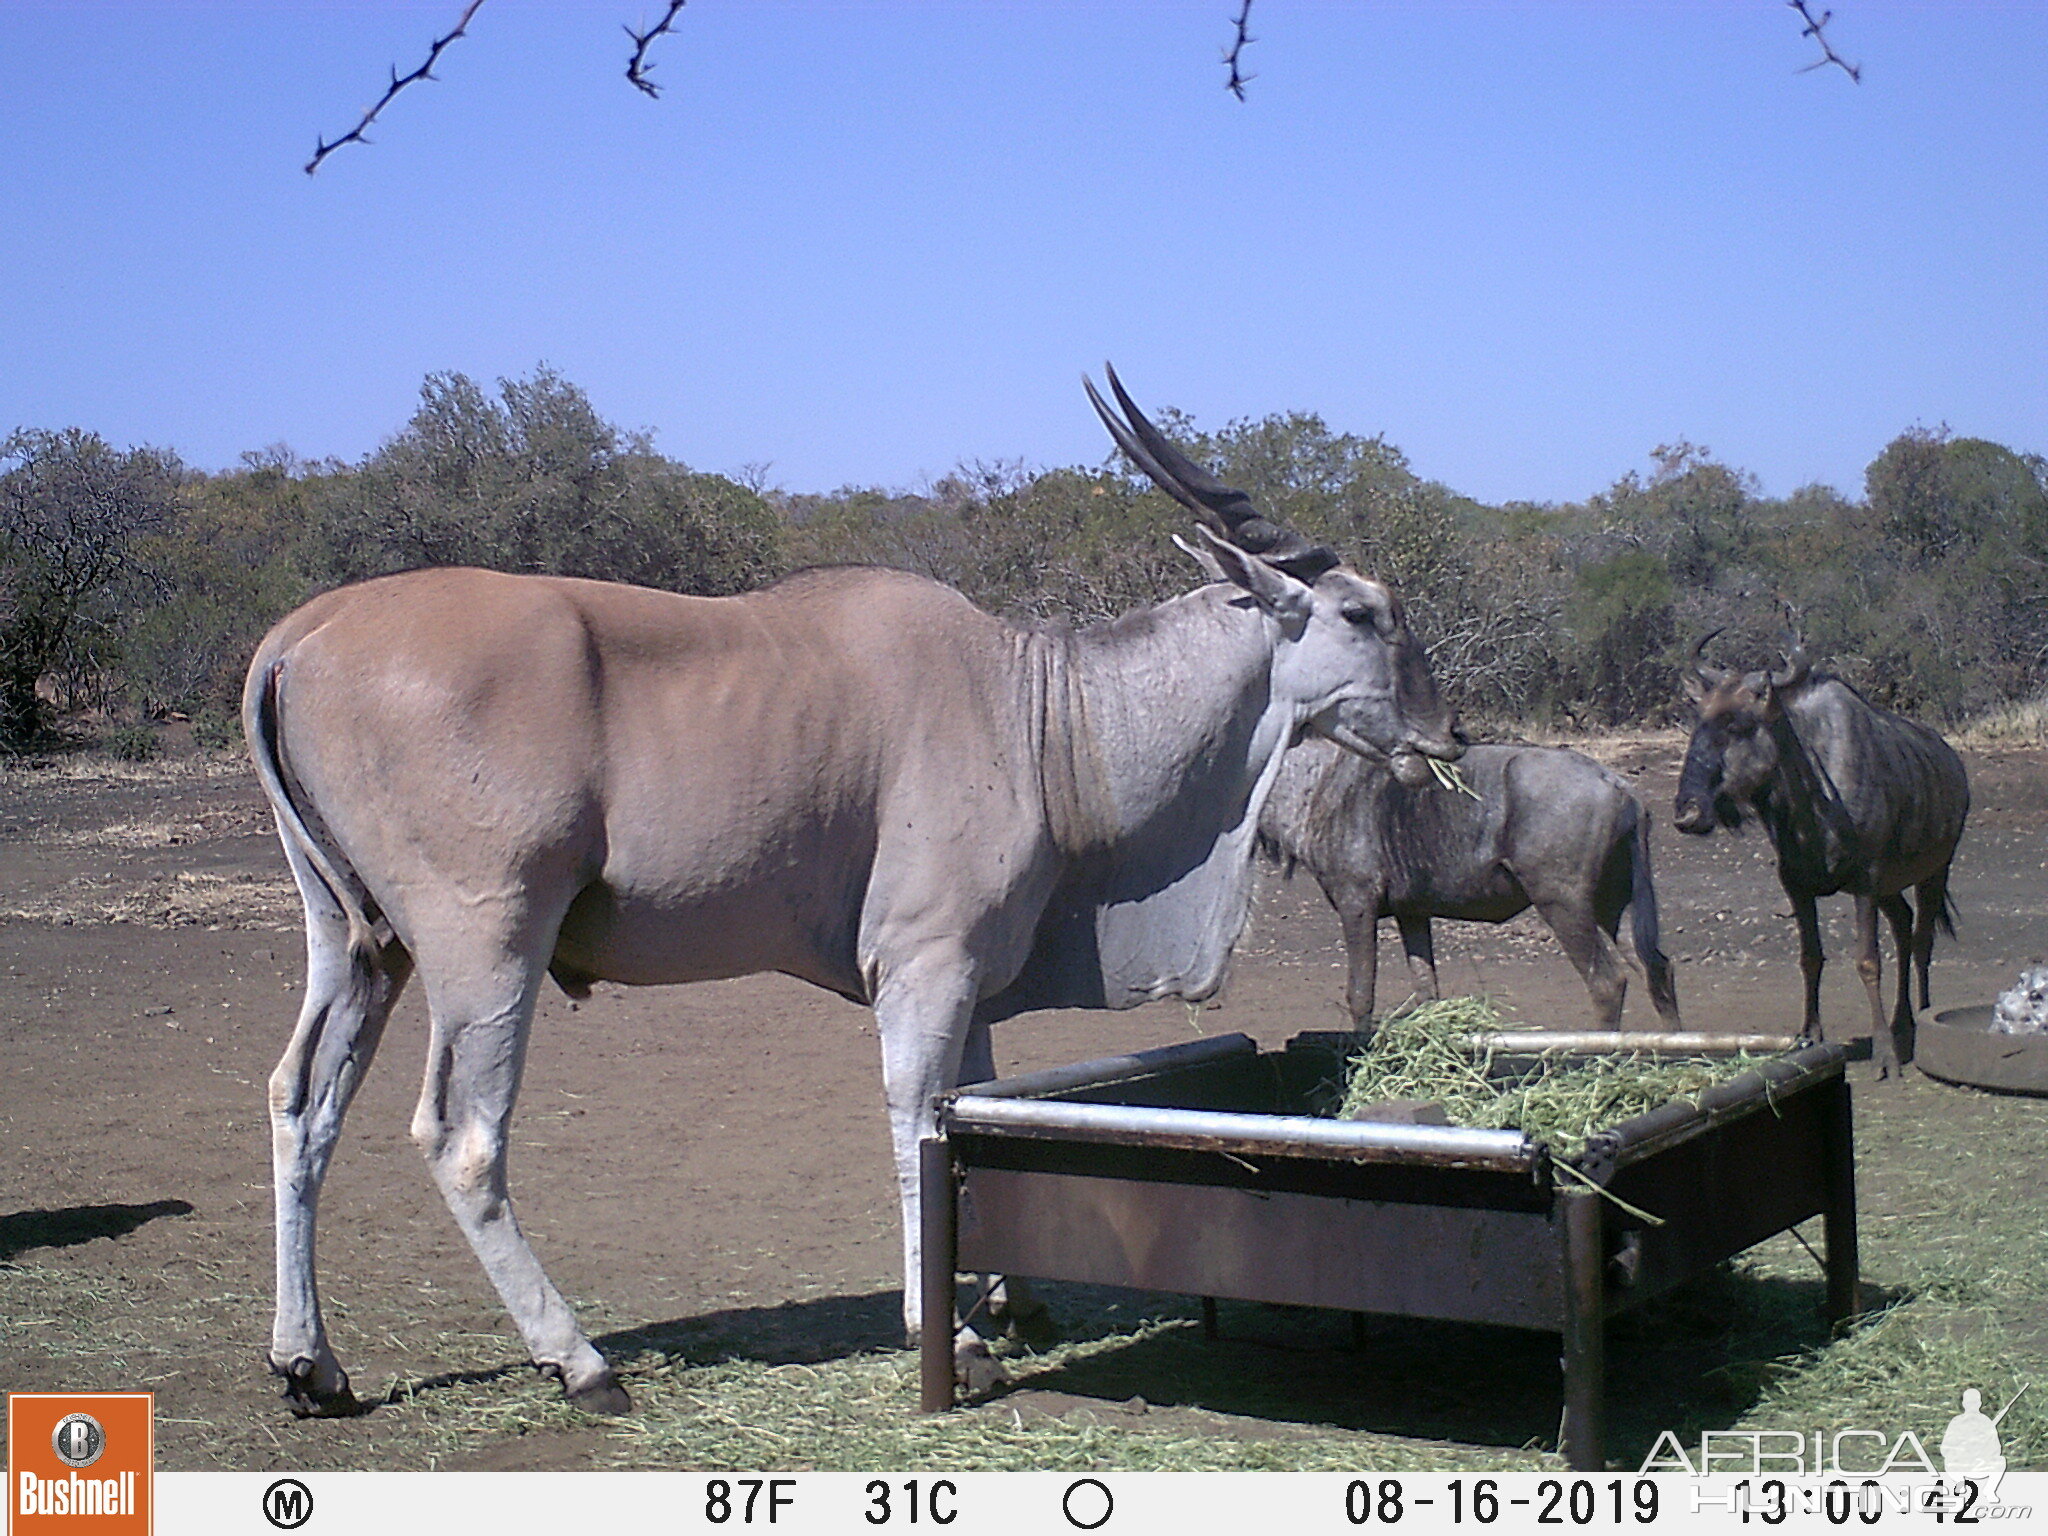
854	777
1548	829
1854	799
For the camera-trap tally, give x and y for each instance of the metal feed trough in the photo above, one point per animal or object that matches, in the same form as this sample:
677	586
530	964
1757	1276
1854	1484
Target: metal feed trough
1203	1169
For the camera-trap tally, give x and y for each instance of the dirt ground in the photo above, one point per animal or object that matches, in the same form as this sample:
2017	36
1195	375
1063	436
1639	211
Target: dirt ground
679	1152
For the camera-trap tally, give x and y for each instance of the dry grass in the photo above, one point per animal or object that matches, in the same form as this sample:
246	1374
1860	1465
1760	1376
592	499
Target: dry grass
103	768
185	899
159	832
2024	724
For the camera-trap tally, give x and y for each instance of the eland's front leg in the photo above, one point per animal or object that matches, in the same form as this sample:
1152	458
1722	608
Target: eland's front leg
923	1007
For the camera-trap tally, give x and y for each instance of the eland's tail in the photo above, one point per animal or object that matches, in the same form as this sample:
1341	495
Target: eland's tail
262	704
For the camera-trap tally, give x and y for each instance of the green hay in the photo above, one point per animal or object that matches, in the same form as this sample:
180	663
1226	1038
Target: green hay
1450	776
1424	1054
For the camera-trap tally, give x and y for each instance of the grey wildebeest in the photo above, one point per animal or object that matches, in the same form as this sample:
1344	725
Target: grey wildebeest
1854	799
854	777
1542	827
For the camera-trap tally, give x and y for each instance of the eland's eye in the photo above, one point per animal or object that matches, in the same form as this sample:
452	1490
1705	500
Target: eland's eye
1357	613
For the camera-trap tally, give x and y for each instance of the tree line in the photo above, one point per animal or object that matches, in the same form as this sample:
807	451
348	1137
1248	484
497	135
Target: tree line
133	587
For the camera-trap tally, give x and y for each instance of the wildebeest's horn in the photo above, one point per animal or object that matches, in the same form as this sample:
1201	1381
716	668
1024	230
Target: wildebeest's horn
1797	665
1713	677
1227	510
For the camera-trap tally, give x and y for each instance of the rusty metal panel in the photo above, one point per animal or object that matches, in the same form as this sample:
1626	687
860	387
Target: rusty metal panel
1462	1264
1724	1190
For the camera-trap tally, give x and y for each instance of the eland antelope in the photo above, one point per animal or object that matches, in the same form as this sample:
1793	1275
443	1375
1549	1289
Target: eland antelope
853	776
1854	799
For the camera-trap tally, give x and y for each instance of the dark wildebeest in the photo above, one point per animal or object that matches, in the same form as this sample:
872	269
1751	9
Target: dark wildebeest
1549	829
1854	798
854	777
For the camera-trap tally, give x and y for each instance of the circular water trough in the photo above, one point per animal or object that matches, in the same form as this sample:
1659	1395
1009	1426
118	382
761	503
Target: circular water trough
1958	1045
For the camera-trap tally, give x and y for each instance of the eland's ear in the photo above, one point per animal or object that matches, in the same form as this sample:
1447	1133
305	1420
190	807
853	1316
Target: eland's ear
1695	688
1208	562
1271	587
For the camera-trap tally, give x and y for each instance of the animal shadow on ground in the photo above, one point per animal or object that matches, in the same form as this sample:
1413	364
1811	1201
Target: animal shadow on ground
79	1224
1700	1357
794	1333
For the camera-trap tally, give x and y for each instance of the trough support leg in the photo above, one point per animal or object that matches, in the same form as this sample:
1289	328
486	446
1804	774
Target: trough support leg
1838	1148
938	1200
1585	1333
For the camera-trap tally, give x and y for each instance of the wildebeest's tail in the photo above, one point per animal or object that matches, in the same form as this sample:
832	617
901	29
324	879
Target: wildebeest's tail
1643	920
261	701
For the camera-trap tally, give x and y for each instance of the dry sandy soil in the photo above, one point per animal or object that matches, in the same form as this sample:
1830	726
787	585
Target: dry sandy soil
678	1152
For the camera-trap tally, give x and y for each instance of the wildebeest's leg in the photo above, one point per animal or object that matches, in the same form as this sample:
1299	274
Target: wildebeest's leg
1870	966
923	1008
480	995
1900	911
1420	944
1930	908
348	998
1359	914
1592	953
1812	960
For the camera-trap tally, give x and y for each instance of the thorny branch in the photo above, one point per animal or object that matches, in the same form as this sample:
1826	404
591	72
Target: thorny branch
424	72
636	67
1238	78
1816	29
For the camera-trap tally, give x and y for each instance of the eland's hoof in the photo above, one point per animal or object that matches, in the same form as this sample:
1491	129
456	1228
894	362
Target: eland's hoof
308	1401
603	1395
975	1371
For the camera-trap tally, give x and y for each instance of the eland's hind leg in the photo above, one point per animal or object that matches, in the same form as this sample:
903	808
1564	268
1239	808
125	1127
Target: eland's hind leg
481	998
348	998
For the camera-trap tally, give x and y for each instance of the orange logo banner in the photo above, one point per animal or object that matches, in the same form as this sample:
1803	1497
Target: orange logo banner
80	1463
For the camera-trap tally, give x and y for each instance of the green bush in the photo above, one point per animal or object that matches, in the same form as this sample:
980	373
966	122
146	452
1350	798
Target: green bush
131	744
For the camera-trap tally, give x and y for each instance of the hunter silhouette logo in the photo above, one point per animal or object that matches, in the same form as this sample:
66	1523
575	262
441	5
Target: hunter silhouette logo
80	1463
1970	1448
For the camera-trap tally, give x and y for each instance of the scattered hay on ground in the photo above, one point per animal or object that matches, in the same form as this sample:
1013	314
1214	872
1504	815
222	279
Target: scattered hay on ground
1955	1264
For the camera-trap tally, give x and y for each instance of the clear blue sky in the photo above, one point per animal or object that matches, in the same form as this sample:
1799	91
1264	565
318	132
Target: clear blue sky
862	242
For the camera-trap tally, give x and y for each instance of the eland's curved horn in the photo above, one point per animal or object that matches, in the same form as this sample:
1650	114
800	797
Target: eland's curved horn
1228	511
1712	676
